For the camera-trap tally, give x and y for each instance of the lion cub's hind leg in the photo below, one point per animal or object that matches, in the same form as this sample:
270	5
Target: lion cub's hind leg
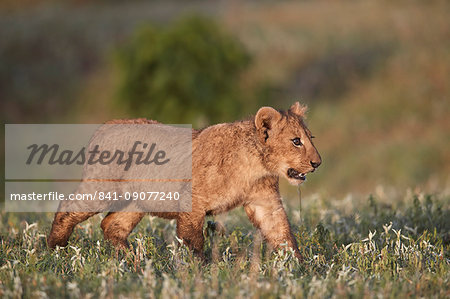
63	225
117	226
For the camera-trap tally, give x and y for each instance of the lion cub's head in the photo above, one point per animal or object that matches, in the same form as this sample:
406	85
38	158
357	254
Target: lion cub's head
287	142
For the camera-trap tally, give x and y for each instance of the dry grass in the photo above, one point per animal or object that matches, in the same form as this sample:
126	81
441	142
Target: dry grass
393	245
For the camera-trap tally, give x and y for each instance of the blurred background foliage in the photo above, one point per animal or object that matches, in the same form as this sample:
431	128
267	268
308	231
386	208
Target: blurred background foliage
175	73
374	73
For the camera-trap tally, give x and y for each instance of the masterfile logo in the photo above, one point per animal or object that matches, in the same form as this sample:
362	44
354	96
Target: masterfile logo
112	167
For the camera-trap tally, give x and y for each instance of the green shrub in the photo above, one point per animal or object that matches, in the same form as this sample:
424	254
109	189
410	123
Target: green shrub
185	73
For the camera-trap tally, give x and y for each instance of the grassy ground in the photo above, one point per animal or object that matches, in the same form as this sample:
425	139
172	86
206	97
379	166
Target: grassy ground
374	73
389	245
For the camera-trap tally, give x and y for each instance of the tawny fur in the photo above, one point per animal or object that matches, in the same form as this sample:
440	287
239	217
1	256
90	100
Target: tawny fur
233	164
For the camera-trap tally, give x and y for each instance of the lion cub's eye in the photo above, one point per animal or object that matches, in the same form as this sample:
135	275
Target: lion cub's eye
297	142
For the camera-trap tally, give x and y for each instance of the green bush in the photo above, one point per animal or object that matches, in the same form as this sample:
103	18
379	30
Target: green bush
185	73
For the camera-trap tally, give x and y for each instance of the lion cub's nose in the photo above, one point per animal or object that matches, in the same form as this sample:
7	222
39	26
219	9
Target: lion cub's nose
315	164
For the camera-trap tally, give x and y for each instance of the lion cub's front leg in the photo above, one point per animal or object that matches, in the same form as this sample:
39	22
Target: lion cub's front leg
190	230
265	210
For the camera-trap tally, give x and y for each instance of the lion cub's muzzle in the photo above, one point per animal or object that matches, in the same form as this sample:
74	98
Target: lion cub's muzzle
294	174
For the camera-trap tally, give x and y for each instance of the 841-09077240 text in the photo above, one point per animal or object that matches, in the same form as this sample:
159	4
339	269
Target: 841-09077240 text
52	196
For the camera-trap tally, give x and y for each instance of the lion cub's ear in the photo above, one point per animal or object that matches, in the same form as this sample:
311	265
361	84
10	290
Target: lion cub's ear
299	109
266	117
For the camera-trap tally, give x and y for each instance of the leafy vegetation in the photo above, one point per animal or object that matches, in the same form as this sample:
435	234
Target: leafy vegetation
186	73
374	250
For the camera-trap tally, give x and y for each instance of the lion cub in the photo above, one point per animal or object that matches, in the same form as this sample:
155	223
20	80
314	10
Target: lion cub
233	164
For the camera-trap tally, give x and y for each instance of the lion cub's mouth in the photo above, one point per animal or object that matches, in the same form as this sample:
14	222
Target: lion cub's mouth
294	174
